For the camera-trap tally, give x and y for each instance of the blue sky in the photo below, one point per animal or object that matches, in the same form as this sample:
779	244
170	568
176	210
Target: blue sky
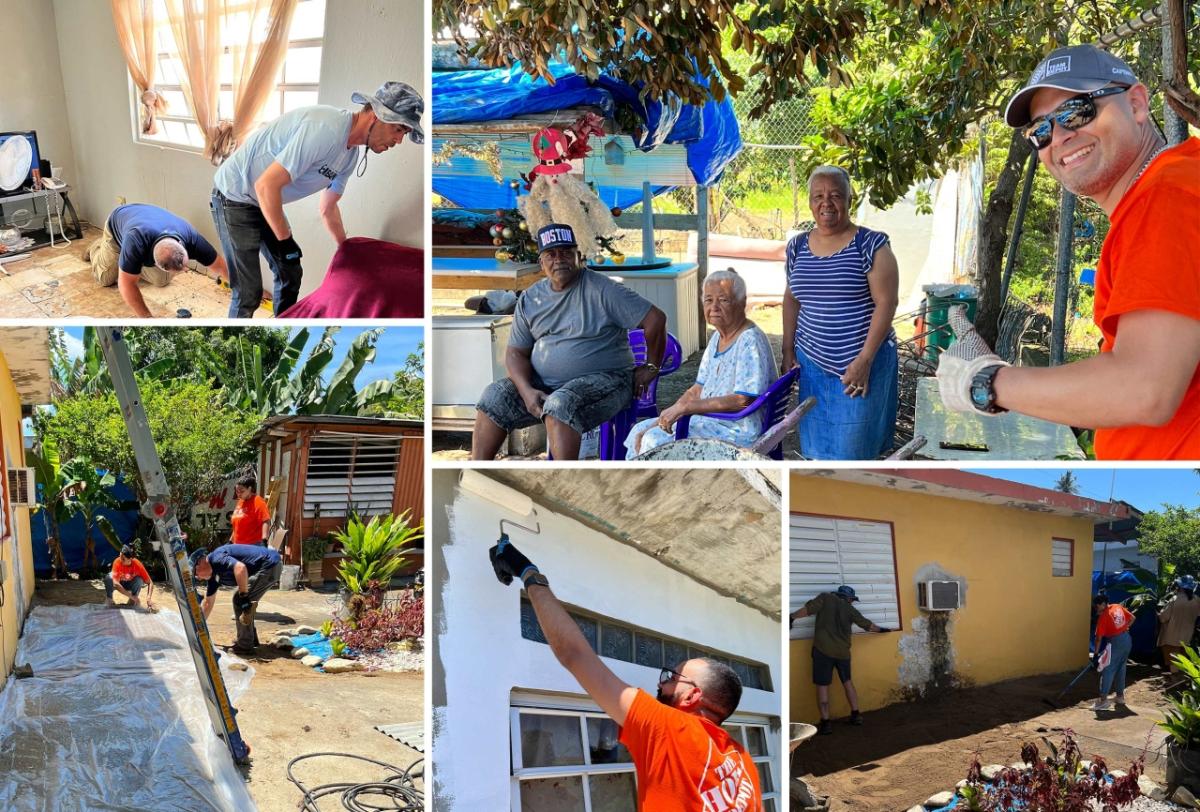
391	350
1144	488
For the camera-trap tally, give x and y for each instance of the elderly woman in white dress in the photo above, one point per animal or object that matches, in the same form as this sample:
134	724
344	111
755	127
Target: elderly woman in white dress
737	367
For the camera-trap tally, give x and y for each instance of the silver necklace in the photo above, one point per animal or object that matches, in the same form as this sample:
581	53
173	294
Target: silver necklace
1146	165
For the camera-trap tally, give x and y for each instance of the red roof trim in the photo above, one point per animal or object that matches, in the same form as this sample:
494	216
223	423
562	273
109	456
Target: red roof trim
967	481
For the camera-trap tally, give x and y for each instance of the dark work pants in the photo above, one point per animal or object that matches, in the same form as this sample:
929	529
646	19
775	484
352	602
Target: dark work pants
260	582
241	227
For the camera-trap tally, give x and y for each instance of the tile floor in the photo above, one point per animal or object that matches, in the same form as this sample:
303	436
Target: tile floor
56	283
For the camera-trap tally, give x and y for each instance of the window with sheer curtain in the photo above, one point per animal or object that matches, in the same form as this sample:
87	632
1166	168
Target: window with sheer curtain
295	86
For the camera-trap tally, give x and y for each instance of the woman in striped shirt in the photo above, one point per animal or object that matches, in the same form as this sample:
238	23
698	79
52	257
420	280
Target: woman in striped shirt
842	290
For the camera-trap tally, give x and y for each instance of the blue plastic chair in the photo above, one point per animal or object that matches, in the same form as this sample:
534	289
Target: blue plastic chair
773	402
614	431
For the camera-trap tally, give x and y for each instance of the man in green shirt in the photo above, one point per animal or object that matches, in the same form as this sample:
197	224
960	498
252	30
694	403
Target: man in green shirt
834	613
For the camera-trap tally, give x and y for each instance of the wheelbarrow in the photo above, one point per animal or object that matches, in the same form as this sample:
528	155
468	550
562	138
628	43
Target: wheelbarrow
802	798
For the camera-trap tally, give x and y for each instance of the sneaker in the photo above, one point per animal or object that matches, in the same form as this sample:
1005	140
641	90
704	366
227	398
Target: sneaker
1120	700
1101	705
856	718
825	728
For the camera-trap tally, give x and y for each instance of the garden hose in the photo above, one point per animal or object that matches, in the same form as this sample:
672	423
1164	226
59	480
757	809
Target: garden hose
396	792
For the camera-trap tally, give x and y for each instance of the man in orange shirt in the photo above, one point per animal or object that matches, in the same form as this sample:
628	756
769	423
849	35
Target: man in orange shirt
1112	632
251	519
1089	118
128	576
685	761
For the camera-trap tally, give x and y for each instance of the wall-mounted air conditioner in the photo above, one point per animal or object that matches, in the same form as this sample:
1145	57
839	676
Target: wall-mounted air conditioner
21	488
939	596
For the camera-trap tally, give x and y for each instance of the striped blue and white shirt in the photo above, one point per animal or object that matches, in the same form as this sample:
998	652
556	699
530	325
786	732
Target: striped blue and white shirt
835	298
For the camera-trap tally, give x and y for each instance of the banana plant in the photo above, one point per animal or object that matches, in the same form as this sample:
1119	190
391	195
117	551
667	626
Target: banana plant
1182	718
69	489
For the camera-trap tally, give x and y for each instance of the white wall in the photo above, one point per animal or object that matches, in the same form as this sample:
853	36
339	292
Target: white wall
482	656
31	86
367	42
1107	556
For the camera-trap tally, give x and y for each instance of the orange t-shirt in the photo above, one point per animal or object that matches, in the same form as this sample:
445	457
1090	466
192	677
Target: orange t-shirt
1150	261
1113	621
247	520
122	572
686	763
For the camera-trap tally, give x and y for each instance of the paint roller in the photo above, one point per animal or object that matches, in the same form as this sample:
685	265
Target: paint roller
502	495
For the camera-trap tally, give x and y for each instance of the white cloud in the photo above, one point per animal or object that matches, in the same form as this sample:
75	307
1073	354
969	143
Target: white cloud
74	345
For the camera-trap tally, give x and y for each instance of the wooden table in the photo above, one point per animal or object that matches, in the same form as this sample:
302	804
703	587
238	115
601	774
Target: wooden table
464	273
1008	436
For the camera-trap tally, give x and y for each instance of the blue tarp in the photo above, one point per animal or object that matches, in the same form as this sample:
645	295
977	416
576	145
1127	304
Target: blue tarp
319	645
1145	628
71	534
710	133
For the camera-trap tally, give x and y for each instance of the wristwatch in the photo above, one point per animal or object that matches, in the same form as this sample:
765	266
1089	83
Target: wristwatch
983	390
653	366
536	579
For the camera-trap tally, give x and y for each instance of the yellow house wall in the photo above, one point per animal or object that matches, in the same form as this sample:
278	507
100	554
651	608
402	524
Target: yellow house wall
13	456
1017	619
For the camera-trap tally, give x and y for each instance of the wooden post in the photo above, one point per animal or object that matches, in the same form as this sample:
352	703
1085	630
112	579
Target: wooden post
701	254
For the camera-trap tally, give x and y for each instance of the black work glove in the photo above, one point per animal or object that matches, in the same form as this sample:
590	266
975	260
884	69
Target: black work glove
509	562
241	603
285	251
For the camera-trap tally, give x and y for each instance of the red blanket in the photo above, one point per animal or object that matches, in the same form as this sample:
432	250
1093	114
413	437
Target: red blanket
368	279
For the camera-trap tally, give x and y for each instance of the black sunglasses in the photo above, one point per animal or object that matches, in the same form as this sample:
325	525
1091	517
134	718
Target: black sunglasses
1075	112
668	674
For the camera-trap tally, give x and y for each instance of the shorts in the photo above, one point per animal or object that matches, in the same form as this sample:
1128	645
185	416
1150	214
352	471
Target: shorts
582	403
823	666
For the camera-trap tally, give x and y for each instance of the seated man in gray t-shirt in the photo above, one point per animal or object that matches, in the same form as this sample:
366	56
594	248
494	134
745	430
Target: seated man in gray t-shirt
568	358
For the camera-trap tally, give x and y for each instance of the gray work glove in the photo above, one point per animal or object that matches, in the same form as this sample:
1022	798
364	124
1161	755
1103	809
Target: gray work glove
958	366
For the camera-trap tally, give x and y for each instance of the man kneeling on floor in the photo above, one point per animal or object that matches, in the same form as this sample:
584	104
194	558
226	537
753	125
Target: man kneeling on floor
252	570
145	242
568	358
834	612
685	761
128	576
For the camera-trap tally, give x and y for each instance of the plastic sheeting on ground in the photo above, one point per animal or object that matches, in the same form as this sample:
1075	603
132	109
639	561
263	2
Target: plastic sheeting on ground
113	718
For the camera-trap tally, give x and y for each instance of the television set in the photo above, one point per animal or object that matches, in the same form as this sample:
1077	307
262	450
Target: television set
31	137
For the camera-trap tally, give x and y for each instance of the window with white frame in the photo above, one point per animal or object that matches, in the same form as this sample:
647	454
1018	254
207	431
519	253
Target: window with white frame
566	757
350	473
1062	558
295	86
826	552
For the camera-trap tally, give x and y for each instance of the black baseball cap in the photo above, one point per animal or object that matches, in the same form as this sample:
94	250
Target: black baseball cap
1081	68
556	235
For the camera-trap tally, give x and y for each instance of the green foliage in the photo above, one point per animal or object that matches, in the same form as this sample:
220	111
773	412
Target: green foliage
1150	587
407	396
373	550
1067	483
199	438
1182	719
314	548
1173	535
337	646
327	628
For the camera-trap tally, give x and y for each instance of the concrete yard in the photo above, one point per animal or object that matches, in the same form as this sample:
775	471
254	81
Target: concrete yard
56	283
290	710
909	751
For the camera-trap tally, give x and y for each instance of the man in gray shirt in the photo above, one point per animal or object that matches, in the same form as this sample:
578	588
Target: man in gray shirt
568	357
309	150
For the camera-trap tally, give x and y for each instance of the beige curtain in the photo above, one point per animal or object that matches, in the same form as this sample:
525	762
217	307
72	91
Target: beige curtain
253	33
134	21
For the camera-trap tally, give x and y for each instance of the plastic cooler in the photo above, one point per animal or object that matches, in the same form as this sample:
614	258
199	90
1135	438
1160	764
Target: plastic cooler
938	300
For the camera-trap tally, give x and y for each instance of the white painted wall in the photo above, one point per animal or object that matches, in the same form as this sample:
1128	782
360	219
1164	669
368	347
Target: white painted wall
367	42
1108	555
31	85
477	634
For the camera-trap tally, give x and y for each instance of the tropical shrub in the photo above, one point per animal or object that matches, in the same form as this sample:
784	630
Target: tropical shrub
375	628
372	551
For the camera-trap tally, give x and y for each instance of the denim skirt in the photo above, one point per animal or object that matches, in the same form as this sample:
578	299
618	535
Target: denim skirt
840	427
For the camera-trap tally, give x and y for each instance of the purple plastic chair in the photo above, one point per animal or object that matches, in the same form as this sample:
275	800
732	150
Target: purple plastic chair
613	432
773	402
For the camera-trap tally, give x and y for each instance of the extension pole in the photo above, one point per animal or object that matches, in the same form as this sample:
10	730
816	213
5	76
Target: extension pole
1062	278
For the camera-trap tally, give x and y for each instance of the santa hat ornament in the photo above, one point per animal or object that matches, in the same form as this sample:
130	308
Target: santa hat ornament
557	196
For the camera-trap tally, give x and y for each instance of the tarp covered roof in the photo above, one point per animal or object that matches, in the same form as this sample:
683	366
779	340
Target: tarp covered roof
709	133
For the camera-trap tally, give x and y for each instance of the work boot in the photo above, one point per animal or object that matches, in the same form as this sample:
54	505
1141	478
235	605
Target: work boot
825	728
856	718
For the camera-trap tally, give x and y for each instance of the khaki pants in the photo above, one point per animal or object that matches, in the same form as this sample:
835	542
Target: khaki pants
104	255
